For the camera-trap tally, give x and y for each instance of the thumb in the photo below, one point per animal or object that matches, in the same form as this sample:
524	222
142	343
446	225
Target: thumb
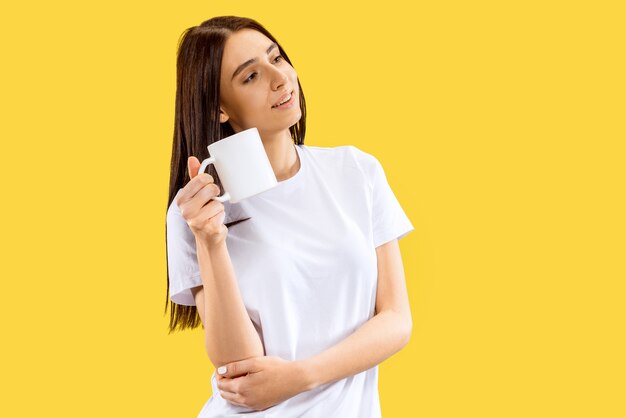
193	165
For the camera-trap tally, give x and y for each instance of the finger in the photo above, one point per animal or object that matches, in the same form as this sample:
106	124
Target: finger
208	191
193	165
193	187
232	398
211	209
203	197
229	385
206	214
238	368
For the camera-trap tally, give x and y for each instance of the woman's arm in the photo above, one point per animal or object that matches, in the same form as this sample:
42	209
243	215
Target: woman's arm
273	380
380	337
228	330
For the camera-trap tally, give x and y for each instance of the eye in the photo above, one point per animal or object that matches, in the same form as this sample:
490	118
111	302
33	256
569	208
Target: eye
250	77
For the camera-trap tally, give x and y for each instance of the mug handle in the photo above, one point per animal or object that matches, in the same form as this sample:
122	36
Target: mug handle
203	166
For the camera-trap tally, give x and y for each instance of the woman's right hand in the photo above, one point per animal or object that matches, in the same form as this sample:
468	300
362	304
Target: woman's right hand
204	215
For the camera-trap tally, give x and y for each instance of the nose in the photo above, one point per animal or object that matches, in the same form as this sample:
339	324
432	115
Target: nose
279	80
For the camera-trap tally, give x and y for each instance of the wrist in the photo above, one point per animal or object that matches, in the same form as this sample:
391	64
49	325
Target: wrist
306	370
209	244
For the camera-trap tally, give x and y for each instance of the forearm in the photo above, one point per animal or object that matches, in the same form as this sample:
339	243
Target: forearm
379	338
229	332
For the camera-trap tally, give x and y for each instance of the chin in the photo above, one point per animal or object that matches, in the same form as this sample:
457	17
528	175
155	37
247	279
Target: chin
283	126
297	119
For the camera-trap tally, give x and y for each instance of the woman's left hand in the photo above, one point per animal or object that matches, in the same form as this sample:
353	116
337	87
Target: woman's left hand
262	382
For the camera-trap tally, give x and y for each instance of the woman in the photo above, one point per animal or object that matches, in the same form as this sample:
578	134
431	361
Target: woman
300	289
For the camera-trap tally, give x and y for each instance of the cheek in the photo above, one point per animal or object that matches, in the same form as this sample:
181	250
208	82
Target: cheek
253	98
247	104
294	77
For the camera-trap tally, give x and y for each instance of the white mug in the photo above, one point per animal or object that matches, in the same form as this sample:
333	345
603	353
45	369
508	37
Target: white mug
242	165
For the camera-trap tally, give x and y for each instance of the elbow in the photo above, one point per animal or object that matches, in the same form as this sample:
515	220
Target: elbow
406	329
212	358
220	357
407	333
214	355
402	326
218	361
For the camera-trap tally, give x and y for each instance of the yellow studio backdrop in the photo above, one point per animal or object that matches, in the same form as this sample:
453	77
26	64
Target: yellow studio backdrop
500	126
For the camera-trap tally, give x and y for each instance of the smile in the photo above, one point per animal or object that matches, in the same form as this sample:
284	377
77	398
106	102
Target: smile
289	103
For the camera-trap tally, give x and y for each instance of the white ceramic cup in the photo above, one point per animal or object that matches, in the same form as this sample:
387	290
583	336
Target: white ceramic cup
242	165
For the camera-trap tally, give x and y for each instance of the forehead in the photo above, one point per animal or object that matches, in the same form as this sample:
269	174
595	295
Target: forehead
242	46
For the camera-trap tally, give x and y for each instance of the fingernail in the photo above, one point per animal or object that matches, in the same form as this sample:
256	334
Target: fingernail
221	370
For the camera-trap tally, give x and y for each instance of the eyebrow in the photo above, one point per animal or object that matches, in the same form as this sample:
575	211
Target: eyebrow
252	60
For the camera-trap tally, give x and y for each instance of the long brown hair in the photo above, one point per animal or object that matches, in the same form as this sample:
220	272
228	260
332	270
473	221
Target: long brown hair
197	124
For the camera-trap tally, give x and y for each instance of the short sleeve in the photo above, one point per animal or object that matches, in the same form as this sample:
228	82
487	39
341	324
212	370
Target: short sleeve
182	260
388	218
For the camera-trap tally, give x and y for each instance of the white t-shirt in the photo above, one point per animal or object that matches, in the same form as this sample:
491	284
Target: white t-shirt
306	266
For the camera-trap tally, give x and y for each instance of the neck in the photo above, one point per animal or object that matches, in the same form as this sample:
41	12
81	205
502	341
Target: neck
282	154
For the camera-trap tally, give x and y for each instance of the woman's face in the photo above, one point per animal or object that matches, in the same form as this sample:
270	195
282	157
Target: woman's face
249	90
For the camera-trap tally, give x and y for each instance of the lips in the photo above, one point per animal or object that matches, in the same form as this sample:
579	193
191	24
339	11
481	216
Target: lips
284	98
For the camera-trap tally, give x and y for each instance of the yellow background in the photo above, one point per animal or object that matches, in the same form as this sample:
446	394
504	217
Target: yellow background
500	126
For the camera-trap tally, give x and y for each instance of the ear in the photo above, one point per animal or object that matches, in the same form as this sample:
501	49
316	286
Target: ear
223	116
